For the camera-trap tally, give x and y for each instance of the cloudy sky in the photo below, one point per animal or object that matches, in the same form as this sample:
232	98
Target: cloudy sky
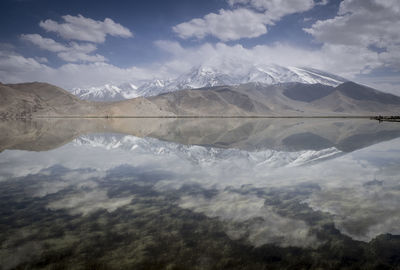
90	43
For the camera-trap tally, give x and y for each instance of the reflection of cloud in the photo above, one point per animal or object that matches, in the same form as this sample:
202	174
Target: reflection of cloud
10	258
78	178
362	212
248	216
87	202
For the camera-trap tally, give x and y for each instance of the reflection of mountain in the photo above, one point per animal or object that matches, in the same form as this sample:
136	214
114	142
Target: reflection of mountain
205	155
244	134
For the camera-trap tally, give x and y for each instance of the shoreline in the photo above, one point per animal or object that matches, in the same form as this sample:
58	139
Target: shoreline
205	116
379	118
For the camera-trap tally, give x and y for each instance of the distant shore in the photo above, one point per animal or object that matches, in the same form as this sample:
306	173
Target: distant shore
381	118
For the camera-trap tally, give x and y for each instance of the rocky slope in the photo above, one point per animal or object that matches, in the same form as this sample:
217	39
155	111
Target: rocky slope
27	99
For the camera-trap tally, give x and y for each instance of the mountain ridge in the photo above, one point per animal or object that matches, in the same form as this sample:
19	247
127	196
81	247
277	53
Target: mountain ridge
204	76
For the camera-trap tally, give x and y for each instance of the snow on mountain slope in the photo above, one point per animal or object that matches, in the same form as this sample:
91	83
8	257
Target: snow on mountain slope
204	76
273	74
153	88
107	92
203	156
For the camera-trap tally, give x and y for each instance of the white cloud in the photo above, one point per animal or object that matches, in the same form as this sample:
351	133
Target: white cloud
226	25
276	9
83	47
77	28
76	56
73	53
42	59
250	20
238	59
85	29
44	43
15	68
361	24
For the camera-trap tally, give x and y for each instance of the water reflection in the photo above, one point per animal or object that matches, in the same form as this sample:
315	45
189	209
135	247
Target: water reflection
206	193
248	217
246	134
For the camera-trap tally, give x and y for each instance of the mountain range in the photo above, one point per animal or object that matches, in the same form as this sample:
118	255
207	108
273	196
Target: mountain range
271	91
203	76
246	100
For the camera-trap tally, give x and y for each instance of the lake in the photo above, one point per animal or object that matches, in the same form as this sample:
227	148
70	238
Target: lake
199	194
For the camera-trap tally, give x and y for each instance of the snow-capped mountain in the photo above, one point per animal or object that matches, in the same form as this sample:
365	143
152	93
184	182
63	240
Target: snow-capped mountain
107	92
202	155
153	88
204	76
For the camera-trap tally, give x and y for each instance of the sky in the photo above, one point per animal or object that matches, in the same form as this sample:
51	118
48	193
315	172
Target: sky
91	43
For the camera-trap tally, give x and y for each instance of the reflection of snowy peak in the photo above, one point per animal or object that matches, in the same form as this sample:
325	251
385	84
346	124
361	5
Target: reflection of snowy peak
206	155
207	77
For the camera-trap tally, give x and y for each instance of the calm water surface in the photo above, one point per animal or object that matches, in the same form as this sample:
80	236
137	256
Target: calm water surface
199	194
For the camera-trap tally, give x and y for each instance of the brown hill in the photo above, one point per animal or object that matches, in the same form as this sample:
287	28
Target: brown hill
26	99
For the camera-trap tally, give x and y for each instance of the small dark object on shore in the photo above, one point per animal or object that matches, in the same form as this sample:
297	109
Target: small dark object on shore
387	118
